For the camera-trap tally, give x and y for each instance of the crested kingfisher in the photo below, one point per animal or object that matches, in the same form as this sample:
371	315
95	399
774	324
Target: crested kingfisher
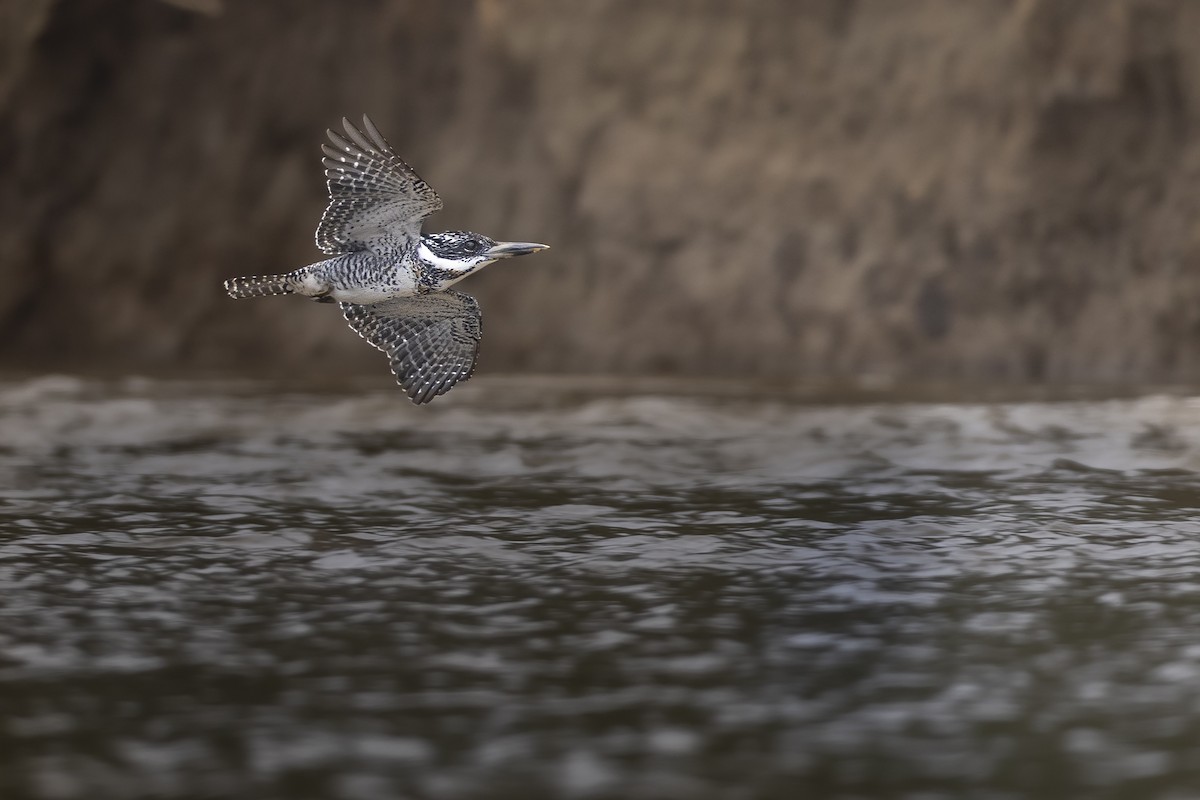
392	282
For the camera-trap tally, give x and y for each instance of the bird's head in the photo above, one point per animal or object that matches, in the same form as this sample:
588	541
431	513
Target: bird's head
459	253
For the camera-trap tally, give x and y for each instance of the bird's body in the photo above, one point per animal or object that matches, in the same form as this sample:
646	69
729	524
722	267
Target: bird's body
392	281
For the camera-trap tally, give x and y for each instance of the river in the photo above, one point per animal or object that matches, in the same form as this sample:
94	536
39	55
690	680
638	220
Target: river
559	590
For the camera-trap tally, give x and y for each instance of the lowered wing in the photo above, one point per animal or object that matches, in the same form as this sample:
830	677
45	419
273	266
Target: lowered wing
431	340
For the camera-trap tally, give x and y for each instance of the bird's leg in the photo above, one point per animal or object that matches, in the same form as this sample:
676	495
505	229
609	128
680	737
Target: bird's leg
324	299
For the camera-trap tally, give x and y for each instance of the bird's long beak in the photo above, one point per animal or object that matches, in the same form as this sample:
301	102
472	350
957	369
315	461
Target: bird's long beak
510	249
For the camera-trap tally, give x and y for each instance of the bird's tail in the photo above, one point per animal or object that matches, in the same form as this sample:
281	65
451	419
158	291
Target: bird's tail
259	286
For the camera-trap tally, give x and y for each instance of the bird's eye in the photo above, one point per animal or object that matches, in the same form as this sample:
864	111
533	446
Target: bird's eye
471	246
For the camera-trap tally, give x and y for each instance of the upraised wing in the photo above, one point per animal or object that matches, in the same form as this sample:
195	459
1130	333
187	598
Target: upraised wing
431	340
373	195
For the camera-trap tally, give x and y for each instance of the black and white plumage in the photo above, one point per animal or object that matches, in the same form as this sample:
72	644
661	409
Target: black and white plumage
391	280
373	195
431	340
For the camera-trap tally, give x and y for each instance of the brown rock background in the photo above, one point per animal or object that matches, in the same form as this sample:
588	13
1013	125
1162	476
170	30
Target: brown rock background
930	190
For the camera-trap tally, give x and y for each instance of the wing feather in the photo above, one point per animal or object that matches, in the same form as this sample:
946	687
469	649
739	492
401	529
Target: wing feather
359	139
431	340
373	195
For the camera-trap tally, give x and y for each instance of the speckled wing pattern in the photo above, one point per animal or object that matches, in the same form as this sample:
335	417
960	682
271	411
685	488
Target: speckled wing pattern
374	196
431	340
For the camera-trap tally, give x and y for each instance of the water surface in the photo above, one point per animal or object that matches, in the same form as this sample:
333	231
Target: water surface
219	590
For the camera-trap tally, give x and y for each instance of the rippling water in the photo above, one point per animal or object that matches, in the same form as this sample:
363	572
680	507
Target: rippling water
216	590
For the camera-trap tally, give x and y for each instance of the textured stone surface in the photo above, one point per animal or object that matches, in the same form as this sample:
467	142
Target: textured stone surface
932	190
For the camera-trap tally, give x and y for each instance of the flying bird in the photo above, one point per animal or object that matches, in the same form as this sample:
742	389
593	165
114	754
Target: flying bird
392	281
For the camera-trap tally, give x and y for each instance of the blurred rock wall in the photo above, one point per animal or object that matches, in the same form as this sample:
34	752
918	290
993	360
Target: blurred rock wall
933	190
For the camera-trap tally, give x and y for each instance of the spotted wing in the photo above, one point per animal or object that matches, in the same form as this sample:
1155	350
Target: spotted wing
373	195
431	340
